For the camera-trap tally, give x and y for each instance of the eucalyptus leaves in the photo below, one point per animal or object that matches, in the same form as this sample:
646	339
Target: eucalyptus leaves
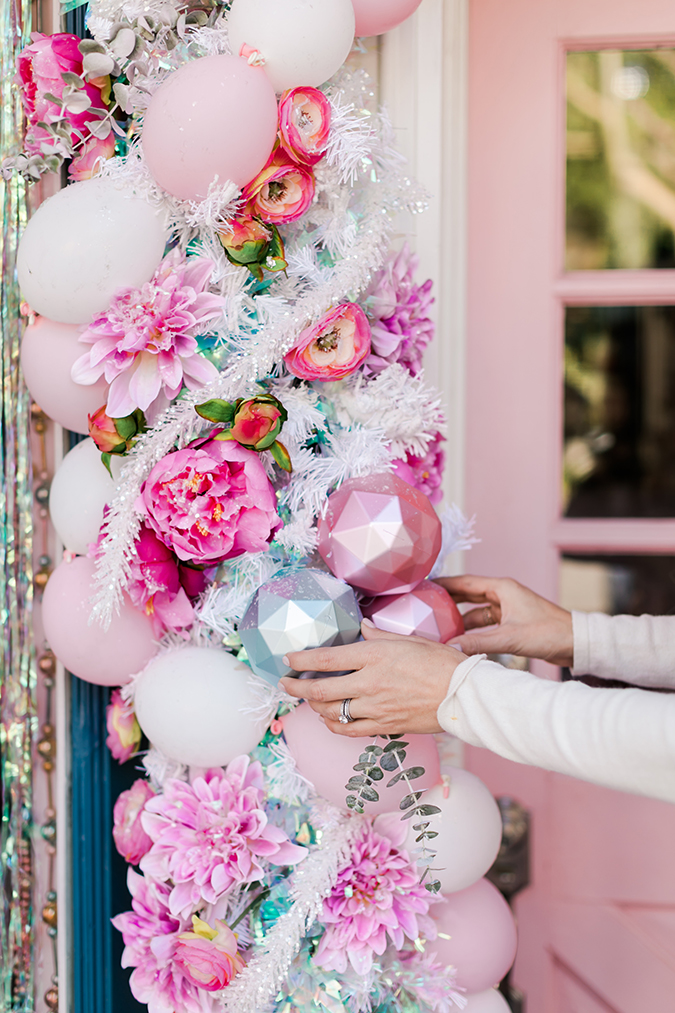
373	763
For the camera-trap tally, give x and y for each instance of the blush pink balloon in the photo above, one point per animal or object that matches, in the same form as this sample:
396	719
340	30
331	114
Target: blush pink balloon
105	657
477	935
214	118
48	351
327	760
373	17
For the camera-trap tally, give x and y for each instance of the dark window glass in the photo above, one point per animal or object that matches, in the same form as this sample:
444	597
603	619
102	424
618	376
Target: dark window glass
619	415
618	585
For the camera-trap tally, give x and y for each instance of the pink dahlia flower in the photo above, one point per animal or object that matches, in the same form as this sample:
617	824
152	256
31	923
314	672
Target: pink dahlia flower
211	501
151	941
161	586
281	192
426	472
40	66
377	897
332	348
399	314
130	838
145	342
304	124
213	834
124	732
208	957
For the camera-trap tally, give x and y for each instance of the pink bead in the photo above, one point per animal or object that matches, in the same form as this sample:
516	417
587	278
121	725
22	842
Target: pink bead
379	534
427	611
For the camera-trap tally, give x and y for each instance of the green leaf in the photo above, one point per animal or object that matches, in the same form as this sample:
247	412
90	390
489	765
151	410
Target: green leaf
354	803
426	836
106	458
421	810
370	795
434	886
389	762
376	774
281	456
375	750
72	79
395	745
421	826
410	799
356	782
216	410
412	773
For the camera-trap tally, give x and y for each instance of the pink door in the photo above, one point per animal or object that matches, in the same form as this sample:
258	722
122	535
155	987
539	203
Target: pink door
571	432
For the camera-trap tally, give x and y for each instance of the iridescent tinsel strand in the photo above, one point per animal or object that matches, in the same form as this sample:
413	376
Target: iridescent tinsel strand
17	686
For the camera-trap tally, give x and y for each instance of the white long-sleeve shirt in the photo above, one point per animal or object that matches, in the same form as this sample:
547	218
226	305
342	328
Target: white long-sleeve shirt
619	738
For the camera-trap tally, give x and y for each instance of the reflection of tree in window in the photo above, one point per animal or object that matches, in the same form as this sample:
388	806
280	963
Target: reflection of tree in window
619	419
620	159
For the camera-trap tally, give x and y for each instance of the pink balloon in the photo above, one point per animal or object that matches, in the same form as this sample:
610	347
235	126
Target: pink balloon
373	17
106	657
214	117
482	935
48	351
327	760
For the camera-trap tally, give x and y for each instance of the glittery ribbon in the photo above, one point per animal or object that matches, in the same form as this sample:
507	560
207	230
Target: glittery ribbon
17	678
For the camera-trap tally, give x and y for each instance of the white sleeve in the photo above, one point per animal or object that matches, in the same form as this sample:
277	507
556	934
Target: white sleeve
619	738
637	649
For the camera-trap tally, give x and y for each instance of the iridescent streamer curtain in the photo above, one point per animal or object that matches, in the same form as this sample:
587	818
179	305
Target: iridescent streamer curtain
17	686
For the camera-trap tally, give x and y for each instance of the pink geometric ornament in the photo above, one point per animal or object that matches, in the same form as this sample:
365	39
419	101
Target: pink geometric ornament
427	611
379	534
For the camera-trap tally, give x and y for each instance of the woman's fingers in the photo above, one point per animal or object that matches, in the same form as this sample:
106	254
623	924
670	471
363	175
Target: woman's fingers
472	589
497	640
330	659
323	691
488	615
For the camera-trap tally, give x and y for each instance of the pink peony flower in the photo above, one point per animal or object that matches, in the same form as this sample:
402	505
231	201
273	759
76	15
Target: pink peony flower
161	586
332	348
124	733
208	957
211	501
425	473
376	897
130	838
145	342
399	313
212	835
304	124
90	156
40	66
151	940
281	192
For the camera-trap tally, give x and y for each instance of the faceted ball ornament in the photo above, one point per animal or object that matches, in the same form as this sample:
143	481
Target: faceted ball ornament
296	609
380	534
427	611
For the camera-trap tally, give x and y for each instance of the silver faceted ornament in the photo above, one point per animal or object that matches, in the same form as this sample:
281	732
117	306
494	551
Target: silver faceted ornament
296	609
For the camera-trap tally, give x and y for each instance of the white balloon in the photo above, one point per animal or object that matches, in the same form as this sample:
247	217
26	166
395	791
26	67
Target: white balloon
79	491
490	1001
469	828
304	42
84	243
195	703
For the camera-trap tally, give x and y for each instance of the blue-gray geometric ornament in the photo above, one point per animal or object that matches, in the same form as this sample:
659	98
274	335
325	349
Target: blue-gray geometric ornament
296	609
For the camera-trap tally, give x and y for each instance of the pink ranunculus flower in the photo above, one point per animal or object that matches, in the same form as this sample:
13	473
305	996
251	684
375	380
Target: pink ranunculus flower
151	940
399	314
161	586
211	501
90	157
40	66
208	957
281	192
130	838
304	124
332	348
124	733
377	897
213	835
145	342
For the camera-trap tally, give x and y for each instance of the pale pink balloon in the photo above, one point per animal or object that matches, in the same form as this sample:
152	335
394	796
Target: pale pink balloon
482	935
373	17
105	657
489	1001
327	760
215	117
48	351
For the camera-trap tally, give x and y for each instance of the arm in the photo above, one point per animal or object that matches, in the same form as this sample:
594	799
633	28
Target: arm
637	649
618	738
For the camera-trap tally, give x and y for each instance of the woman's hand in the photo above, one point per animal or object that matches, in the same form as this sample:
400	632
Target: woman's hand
527	624
397	686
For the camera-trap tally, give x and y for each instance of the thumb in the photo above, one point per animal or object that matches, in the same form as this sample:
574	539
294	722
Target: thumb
495	641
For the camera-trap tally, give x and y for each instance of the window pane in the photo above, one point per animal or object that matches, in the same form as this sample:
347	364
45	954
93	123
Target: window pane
618	585
619	416
620	159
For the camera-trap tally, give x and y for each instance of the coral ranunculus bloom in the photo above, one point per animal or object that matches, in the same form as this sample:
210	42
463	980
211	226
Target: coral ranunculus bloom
332	348
304	124
281	192
208	957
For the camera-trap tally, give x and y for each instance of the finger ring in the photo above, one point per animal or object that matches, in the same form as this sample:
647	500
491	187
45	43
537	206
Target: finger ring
488	618
345	717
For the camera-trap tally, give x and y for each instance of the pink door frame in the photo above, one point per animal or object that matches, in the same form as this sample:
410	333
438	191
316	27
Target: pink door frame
598	925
